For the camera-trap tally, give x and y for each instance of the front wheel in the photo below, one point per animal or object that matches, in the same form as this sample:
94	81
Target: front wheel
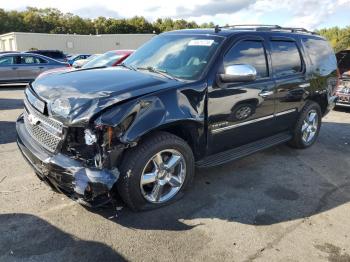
156	172
308	126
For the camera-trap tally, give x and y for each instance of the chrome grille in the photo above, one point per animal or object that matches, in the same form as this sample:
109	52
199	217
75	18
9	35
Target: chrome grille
47	132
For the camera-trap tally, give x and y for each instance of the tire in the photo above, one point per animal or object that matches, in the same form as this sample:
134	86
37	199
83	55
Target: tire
138	161
299	140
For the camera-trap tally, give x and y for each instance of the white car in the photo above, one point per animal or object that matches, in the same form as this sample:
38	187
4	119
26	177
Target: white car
79	63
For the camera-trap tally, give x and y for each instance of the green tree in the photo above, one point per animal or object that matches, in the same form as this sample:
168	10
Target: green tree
338	37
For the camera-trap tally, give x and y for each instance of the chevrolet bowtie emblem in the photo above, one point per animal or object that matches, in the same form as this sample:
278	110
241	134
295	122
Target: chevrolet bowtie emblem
33	120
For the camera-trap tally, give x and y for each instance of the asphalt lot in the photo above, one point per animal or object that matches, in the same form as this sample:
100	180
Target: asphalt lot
278	205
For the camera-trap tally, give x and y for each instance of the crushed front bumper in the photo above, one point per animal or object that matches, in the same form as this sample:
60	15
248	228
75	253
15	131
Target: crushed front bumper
88	186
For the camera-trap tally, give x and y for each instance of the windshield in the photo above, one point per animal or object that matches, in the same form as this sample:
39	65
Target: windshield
107	59
180	56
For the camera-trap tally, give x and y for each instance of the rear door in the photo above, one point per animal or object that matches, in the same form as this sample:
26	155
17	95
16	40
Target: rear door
289	75
8	68
29	67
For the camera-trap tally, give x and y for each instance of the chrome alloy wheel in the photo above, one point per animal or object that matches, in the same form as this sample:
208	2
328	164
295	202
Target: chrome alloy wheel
163	176
309	127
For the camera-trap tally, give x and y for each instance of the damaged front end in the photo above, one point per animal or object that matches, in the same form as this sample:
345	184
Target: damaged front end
75	134
80	164
79	161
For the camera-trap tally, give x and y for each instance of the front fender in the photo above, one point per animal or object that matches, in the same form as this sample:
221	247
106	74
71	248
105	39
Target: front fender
140	116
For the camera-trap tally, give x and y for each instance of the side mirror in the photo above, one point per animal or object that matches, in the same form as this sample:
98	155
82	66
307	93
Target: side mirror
238	73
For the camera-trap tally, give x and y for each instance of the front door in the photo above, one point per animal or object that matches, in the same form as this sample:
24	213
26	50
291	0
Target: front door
8	68
239	113
29	67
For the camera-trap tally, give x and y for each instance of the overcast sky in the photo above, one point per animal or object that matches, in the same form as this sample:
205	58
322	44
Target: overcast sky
310	13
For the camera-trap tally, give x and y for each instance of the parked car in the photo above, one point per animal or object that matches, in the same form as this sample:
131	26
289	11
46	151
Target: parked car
79	63
54	54
111	58
25	67
74	58
186	98
343	58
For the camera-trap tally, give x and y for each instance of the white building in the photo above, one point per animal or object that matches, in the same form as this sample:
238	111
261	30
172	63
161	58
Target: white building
71	43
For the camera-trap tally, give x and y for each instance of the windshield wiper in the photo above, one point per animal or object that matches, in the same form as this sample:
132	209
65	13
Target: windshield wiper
158	71
127	66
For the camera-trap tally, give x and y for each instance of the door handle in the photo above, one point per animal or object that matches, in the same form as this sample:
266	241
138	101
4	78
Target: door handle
41	67
14	68
266	93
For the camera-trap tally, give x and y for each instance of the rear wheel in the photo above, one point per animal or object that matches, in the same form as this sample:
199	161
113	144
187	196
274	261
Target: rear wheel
308	126
156	172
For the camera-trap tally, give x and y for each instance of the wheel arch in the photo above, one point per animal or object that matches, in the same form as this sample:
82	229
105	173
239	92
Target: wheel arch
190	131
321	100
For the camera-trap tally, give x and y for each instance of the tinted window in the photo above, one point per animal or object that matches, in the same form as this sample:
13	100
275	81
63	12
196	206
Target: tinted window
285	58
7	60
248	52
321	55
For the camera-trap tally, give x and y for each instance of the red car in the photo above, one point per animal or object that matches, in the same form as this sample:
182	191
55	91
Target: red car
110	58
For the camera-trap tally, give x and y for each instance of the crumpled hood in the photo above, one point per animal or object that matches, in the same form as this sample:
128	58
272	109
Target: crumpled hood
90	91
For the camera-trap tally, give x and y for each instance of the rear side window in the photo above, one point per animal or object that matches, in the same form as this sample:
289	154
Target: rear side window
322	57
248	52
41	61
285	58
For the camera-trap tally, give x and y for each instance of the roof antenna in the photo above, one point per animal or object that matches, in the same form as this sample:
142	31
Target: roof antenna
217	29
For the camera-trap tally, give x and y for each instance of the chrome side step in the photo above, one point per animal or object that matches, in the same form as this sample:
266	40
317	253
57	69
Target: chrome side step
242	151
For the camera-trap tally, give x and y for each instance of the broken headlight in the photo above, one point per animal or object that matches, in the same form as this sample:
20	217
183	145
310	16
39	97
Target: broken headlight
61	107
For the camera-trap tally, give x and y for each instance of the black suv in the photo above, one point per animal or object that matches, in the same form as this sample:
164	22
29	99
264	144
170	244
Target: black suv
186	98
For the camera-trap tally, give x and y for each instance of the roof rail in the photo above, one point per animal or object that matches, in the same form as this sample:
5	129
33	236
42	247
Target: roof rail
262	27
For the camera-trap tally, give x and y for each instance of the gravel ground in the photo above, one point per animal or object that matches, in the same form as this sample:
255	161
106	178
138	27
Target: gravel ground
278	205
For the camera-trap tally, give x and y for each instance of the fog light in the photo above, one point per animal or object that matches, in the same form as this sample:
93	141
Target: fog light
90	137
